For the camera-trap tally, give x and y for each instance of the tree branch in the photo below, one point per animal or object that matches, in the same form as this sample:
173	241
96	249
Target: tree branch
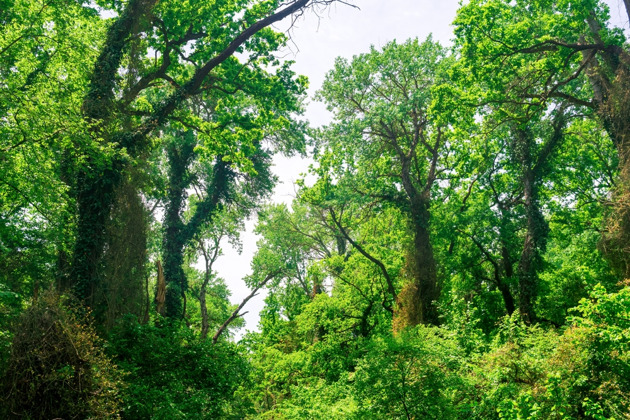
390	284
236	312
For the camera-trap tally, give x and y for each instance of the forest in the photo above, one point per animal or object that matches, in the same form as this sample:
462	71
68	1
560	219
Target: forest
458	247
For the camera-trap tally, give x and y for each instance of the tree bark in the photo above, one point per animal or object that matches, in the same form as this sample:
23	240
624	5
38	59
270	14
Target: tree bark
528	264
424	269
97	182
179	157
177	233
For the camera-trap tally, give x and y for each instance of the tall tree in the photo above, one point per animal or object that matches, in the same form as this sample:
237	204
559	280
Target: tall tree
391	139
570	53
252	122
207	38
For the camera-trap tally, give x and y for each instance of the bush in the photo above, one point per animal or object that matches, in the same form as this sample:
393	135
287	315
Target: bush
174	375
580	372
56	367
414	375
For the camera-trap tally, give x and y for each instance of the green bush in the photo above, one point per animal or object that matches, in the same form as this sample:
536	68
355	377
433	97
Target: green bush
580	372
171	374
411	376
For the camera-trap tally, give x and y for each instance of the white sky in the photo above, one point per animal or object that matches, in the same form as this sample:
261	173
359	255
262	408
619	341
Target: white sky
316	42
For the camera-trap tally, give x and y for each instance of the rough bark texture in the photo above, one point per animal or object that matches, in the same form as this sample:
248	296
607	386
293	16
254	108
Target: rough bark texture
530	255
417	299
160	294
615	112
124	262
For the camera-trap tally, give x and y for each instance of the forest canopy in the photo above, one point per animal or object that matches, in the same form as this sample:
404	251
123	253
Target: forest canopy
458	247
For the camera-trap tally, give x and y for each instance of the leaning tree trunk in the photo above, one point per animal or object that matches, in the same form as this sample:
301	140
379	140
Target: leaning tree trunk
615	112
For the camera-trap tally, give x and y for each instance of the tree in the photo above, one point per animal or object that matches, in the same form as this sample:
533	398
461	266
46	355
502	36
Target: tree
569	53
249	122
122	117
391	141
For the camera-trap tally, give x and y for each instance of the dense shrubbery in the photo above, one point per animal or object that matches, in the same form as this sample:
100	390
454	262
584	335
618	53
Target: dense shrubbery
57	368
172	374
519	372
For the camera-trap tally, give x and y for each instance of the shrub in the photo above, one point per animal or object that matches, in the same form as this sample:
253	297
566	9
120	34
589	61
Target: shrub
56	367
174	375
414	375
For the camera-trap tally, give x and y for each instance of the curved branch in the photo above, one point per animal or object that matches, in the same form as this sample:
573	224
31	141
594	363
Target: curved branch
390	284
236	313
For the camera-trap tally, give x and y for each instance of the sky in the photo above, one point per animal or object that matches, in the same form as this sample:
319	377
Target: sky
317	38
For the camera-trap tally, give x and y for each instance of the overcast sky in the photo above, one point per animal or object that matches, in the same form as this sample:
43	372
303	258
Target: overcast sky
317	39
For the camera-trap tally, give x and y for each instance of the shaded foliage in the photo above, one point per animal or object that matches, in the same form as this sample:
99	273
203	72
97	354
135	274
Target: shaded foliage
171	374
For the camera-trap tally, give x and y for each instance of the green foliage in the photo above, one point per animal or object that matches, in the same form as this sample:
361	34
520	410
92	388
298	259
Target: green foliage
57	366
581	372
465	187
315	398
414	375
171	374
44	51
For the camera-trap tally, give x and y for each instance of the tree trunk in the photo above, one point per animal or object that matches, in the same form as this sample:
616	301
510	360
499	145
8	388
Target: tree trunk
177	233
615	112
536	226
100	176
425	274
504	287
205	324
417	300
180	156
94	200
